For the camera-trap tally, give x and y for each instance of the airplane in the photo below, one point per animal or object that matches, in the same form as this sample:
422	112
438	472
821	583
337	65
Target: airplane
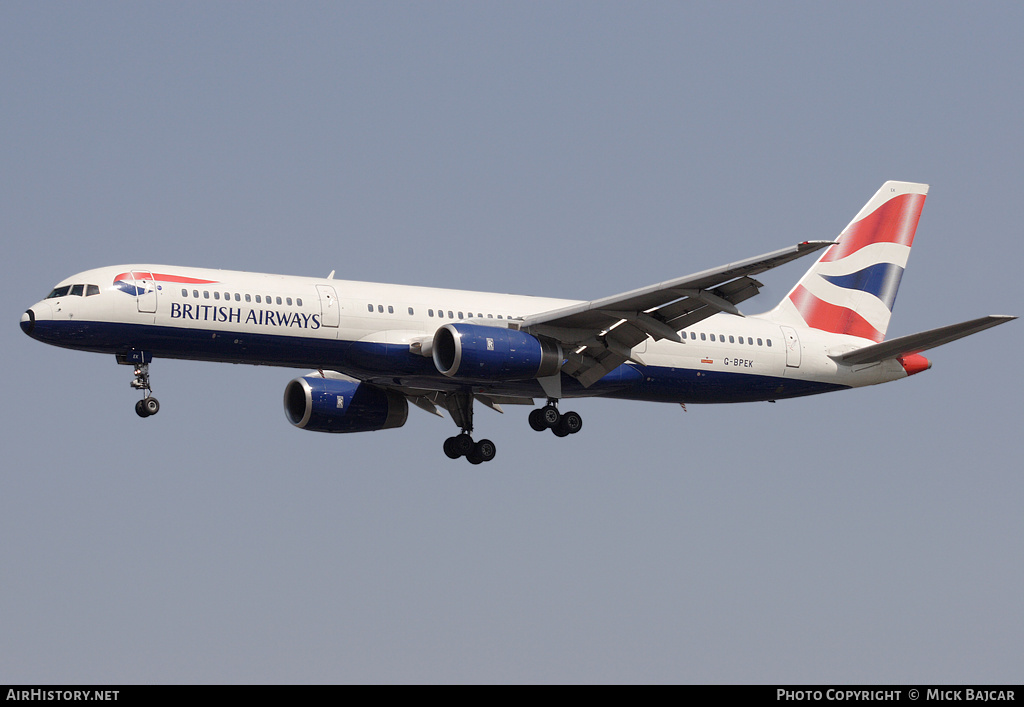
375	348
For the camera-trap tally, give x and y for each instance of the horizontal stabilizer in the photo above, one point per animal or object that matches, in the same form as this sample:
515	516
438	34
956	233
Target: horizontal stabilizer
915	343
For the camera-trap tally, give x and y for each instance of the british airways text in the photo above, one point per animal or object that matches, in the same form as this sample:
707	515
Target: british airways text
260	317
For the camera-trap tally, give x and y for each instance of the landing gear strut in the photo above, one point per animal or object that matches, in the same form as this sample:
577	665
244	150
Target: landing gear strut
460	405
548	418
148	405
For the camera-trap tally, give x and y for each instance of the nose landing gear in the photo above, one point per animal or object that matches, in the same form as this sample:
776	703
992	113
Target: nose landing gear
148	405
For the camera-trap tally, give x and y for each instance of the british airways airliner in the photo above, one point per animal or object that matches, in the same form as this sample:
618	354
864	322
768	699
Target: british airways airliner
375	348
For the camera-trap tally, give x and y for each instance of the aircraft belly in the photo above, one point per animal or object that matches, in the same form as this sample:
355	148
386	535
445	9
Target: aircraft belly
686	385
393	363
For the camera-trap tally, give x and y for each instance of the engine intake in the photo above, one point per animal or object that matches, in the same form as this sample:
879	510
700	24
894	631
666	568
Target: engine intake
342	405
493	354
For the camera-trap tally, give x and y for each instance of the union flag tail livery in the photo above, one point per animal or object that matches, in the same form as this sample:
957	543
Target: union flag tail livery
852	287
375	348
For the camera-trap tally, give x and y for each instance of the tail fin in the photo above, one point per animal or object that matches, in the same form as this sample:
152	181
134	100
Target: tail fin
852	287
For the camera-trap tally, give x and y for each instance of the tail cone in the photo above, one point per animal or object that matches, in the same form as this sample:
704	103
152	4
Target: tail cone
914	363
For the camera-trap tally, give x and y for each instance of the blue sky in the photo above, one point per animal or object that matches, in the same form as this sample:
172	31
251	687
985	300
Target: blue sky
560	149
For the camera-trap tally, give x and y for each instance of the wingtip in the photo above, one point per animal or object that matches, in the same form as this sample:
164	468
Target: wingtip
814	245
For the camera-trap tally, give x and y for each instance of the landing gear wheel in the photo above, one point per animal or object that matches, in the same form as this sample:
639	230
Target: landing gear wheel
485	450
463	444
140	409
549	413
460	405
571	422
537	420
449	449
152	405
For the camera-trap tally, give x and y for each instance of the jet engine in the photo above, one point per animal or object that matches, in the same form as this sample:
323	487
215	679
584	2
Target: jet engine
342	405
494	354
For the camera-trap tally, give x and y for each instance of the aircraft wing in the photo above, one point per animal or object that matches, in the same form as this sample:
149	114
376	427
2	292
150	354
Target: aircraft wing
599	335
922	341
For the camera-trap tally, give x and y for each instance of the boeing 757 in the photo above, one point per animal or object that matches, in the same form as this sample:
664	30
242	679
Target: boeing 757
375	348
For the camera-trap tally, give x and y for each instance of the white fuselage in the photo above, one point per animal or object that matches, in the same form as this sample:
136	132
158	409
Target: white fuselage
373	332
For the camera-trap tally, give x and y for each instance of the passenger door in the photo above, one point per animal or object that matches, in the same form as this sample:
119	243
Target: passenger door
145	291
330	308
789	335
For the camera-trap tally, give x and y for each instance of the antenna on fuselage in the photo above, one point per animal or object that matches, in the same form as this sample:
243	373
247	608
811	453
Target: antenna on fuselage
331	276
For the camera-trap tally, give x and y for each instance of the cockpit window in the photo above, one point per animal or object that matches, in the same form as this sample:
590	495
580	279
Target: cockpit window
77	290
59	292
91	290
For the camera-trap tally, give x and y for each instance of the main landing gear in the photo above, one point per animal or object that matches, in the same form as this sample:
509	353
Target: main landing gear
460	405
148	405
462	445
548	418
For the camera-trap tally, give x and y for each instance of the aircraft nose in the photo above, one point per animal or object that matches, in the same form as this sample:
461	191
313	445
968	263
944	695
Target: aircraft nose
28	321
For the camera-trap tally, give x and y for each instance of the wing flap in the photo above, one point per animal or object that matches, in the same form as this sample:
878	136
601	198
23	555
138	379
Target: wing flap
590	315
604	331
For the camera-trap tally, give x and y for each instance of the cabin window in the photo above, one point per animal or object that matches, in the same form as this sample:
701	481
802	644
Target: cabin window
298	301
430	312
732	339
238	297
490	316
258	300
279	300
703	337
184	293
369	308
206	294
759	342
450	314
712	337
216	295
391	310
248	298
410	311
769	342
460	315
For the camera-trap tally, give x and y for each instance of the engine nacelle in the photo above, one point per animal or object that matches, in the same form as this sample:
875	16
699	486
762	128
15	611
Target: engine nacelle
342	405
494	354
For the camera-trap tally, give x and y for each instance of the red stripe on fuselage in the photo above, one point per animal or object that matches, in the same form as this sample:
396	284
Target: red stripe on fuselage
160	277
